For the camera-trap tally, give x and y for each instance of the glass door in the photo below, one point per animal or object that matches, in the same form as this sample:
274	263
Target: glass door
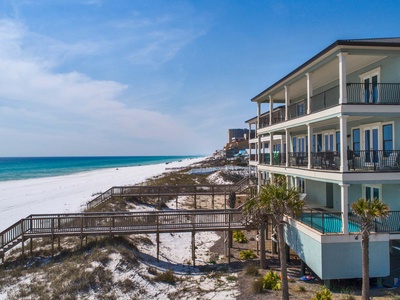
371	145
371	93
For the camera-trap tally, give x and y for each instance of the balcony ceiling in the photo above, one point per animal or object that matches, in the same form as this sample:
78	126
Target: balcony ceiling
322	75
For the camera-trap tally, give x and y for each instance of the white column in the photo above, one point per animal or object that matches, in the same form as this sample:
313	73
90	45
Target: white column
309	92
343	143
342	77
287	133
309	142
271	107
258	114
287	102
344	191
259	149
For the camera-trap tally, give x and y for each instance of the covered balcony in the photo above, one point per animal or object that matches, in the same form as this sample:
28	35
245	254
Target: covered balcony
358	161
357	93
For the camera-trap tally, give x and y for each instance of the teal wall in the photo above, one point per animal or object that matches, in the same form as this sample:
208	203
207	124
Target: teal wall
338	260
316	192
391	195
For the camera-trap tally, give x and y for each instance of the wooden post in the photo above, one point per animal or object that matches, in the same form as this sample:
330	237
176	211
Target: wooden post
58	227
52	237
263	261
195	202
81	231
158	240
22	237
31	246
229	239
225	200
193	248
212	199
177	196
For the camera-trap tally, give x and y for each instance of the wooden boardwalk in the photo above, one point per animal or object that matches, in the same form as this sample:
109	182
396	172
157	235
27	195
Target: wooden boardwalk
119	223
82	225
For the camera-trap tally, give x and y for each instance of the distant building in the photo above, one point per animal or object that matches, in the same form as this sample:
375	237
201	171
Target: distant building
238	135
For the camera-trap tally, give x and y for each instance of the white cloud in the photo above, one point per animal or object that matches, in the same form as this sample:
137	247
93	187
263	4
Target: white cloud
41	105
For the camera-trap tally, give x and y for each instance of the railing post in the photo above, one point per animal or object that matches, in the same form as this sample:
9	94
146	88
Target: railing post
52	237
158	238
323	222
22	237
81	231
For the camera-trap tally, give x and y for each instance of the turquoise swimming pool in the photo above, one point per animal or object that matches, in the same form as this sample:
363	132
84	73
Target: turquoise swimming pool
327	222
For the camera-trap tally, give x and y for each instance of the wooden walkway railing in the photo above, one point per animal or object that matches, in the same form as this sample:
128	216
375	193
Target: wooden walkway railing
169	190
119	223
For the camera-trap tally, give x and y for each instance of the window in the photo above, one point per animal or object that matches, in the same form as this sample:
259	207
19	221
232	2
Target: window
319	142
313	144
300	109
387	139
294	144
337	141
371	192
328	141
356	142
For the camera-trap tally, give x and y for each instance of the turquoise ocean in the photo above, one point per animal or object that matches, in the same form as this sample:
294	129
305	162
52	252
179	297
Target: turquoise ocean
19	168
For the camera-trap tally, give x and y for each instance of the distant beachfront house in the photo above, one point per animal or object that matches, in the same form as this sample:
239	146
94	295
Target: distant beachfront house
336	137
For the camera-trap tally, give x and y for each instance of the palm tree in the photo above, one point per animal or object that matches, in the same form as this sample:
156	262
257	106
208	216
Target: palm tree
367	211
276	201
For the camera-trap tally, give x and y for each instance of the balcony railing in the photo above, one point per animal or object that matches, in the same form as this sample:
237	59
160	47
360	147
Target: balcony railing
324	222
331	222
373	93
376	160
298	159
357	93
279	159
359	160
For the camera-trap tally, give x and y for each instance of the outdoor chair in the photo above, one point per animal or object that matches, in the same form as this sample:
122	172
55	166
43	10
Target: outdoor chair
390	162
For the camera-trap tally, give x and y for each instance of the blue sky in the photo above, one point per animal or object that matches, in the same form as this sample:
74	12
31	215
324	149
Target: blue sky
149	77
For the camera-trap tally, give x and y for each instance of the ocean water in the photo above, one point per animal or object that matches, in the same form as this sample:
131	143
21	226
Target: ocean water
19	168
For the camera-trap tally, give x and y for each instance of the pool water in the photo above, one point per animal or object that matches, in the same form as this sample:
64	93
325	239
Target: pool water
327	222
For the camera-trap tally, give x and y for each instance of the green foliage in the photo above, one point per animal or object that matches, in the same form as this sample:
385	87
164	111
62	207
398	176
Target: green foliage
275	199
368	210
272	281
325	294
239	237
247	254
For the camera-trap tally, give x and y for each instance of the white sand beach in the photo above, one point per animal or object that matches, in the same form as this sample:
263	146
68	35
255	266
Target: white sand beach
66	194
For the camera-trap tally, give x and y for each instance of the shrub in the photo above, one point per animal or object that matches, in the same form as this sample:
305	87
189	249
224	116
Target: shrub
252	269
247	254
167	277
231	278
325	294
257	286
239	237
272	281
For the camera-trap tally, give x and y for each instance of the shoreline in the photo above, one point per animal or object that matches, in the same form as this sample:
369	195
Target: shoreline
70	193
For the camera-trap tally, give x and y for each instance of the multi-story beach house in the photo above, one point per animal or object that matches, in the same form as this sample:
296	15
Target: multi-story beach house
332	127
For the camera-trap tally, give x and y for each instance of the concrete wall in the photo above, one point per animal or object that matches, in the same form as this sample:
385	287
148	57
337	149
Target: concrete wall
316	192
338	260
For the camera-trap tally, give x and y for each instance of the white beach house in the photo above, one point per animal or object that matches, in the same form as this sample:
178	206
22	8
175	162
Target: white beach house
334	132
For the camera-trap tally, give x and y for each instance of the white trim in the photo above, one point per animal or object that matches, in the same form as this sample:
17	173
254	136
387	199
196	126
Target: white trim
371	73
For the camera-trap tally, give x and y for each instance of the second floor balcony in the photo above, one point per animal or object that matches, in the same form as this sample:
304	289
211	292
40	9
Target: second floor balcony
357	161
